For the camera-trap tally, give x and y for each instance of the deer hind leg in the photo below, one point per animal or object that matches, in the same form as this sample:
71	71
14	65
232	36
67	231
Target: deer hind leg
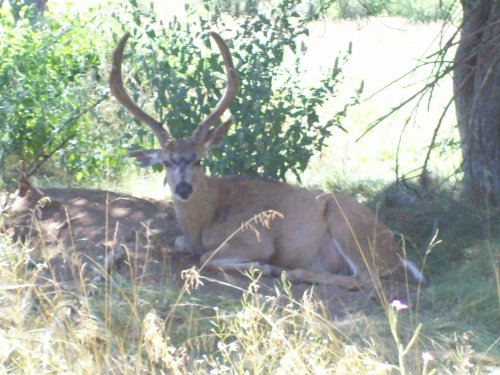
333	267
250	260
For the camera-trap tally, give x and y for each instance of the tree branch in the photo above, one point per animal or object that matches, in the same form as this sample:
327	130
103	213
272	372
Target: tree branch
40	159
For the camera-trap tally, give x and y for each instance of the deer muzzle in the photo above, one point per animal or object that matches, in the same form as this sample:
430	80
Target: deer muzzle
183	190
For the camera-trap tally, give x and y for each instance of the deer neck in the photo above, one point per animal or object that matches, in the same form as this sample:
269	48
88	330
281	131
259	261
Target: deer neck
194	214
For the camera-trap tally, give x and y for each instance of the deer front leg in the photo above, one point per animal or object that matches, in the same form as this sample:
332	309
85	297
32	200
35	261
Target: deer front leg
184	245
240	256
349	282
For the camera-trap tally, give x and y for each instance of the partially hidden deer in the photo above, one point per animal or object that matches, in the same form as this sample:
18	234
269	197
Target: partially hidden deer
238	223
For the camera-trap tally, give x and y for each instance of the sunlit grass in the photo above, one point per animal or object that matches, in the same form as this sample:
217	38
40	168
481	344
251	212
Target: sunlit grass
384	49
121	325
116	326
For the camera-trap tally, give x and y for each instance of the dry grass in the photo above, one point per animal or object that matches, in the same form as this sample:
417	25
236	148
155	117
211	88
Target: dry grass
121	326
115	326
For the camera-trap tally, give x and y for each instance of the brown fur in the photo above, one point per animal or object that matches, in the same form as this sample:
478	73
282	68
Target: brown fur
303	235
237	223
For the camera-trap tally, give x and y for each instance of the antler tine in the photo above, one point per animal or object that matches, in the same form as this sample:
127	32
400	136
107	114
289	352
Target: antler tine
117	89
229	94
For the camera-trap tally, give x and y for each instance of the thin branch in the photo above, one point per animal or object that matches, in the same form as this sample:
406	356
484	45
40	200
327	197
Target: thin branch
400	142
420	93
42	157
434	136
441	67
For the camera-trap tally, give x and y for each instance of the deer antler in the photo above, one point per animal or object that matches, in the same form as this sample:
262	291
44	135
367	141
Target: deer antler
229	95
117	89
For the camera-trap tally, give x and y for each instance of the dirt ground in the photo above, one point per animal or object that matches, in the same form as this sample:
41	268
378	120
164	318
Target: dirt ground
84	233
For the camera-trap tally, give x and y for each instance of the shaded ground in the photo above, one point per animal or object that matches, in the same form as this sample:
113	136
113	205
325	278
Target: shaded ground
84	233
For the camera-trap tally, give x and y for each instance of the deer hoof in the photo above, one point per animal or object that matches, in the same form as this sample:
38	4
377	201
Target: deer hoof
181	245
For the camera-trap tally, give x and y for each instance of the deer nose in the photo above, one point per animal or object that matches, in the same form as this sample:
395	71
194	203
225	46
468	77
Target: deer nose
183	190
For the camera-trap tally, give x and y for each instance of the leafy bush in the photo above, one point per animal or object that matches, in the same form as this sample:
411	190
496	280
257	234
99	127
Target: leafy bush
52	85
420	10
277	123
49	83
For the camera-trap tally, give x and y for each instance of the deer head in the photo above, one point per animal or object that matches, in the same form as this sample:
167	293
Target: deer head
180	157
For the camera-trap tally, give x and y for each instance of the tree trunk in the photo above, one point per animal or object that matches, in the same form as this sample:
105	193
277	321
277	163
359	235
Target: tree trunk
477	99
17	7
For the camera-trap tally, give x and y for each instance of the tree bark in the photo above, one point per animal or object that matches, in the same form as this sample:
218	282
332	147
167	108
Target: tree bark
16	7
477	99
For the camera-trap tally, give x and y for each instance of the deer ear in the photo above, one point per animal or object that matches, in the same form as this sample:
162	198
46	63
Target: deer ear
215	136
146	158
23	185
27	196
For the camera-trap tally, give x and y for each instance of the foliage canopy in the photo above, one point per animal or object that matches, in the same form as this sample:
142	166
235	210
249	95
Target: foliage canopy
49	79
53	76
278	127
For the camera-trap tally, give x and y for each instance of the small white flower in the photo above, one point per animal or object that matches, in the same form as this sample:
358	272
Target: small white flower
398	305
427	357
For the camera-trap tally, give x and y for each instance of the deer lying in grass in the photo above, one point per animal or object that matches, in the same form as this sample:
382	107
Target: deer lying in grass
316	237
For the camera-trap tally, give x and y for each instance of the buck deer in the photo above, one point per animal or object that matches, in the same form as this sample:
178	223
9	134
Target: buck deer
316	237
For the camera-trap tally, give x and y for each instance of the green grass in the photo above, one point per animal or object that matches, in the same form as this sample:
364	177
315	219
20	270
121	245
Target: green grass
118	326
384	49
129	324
122	325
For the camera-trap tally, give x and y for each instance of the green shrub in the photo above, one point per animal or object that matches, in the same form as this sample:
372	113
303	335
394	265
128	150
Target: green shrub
52	78
420	10
49	79
277	126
